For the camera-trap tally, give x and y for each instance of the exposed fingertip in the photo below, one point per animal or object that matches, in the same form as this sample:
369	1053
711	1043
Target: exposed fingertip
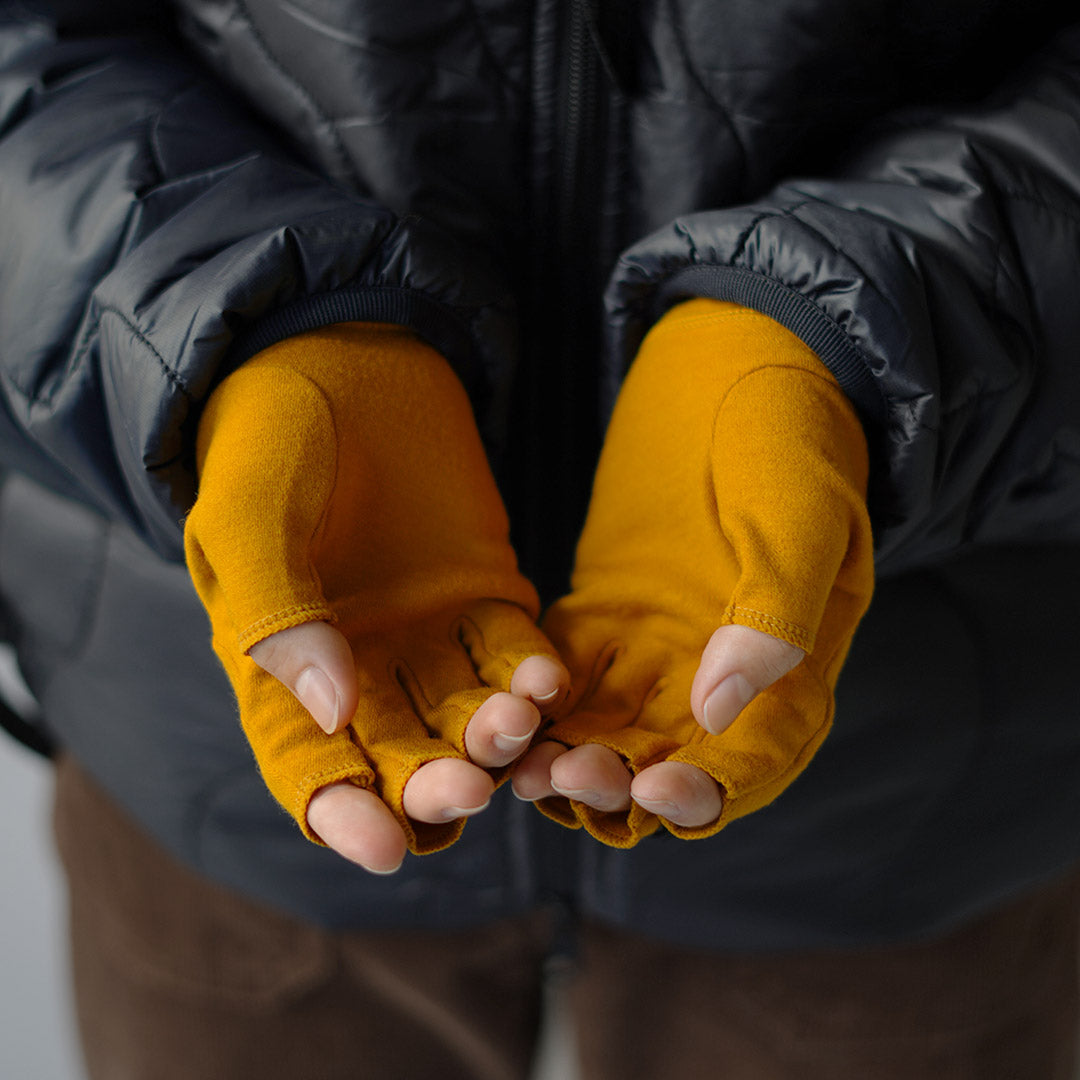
501	729
356	824
542	679
384	873
585	795
511	744
452	813
446	789
725	703
532	773
519	715
594	775
319	696
661	807
679	792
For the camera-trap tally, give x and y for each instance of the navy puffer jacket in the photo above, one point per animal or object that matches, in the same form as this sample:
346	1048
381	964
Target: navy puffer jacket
530	186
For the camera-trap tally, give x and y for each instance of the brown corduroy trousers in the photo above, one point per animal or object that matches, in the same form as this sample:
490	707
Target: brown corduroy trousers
178	979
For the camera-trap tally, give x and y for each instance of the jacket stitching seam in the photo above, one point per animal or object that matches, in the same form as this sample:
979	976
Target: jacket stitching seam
814	231
744	236
152	136
291	80
210	172
170	374
714	104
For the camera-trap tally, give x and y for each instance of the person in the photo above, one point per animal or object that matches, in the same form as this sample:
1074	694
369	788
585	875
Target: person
311	318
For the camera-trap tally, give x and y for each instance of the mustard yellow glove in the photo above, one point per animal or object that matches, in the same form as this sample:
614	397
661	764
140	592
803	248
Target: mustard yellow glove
341	477
731	489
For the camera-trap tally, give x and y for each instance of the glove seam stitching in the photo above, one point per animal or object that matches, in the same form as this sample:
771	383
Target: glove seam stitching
363	772
311	607
792	629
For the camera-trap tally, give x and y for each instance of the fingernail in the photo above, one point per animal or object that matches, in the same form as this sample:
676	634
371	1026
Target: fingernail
510	742
317	694
726	701
547	699
661	807
452	812
384	873
585	795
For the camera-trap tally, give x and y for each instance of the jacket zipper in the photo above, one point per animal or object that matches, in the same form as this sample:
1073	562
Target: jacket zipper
578	122
554	441
578	200
560	311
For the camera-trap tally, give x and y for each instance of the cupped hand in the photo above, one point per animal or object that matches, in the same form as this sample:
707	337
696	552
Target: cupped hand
725	563
315	663
353	553
736	665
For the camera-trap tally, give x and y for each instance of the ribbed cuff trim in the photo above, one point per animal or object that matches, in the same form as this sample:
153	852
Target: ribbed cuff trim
795	312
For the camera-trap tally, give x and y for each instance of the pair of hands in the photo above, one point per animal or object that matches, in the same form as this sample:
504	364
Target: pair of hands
315	662
342	482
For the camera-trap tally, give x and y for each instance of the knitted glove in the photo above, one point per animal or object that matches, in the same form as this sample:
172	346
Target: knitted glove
731	489
341	477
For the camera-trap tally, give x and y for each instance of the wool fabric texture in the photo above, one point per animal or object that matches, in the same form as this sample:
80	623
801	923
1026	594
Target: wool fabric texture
731	490
342	478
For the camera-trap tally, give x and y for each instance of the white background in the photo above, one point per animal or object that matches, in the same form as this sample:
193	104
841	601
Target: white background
37	1038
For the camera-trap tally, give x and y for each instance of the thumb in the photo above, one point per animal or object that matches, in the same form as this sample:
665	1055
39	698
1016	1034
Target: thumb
314	662
267	467
736	665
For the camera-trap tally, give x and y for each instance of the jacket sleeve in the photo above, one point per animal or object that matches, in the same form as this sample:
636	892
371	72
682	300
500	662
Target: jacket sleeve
152	235
937	274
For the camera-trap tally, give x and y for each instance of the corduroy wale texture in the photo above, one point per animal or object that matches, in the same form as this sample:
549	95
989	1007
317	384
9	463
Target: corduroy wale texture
341	477
731	489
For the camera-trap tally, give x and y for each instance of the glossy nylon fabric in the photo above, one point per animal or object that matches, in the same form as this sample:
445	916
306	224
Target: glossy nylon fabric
530	186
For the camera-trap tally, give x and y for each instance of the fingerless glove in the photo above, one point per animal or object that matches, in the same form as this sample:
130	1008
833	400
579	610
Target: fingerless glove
731	489
341	477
